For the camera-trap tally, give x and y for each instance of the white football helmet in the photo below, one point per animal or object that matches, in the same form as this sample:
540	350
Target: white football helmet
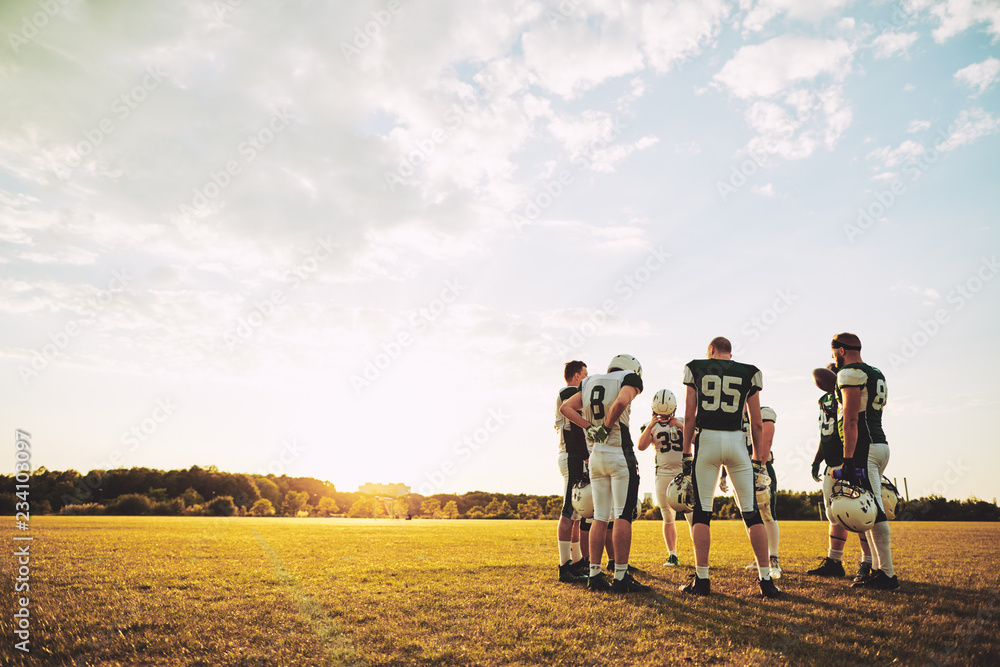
852	507
583	499
664	403
680	494
892	503
626	362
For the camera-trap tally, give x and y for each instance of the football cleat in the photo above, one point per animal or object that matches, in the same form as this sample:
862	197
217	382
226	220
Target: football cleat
581	568
697	586
775	568
768	589
853	507
582	498
879	581
864	573
626	362
628	584
664	403
568	574
829	568
598	583
672	561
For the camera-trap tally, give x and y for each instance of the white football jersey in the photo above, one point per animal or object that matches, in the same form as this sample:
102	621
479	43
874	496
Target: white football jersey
669	443
561	422
599	393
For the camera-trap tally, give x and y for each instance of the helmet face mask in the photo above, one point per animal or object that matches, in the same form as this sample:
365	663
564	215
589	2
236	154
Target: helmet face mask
680	494
583	498
664	403
626	362
853	507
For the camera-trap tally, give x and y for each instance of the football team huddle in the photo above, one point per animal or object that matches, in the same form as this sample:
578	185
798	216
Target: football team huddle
724	439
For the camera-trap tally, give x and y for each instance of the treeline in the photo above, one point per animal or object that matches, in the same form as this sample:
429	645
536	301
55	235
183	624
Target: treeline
210	492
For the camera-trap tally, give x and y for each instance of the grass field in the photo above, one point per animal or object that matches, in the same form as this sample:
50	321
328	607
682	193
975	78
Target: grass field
242	591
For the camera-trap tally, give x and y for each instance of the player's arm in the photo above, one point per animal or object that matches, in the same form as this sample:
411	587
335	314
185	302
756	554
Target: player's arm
570	409
757	428
625	396
852	406
690	416
647	435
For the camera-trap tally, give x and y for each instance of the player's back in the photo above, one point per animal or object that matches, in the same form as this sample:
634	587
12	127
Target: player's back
874	395
599	393
723	387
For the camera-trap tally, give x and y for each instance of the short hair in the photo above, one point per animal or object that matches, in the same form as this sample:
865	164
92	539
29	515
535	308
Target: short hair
722	345
848	341
572	368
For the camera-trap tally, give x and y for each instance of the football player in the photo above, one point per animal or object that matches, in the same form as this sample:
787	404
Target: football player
573	454
768	512
614	474
861	396
665	432
718	391
831	451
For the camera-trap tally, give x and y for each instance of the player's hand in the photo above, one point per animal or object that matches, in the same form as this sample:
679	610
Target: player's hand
724	484
598	433
848	473
687	465
815	471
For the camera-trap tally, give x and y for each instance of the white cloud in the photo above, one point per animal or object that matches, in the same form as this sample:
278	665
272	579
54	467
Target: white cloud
891	157
767	69
805	122
568	59
980	76
918	126
69	256
760	12
766	190
956	16
674	32
889	44
971	125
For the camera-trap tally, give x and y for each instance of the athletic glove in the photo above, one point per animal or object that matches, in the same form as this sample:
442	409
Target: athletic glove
848	472
687	465
815	471
598	433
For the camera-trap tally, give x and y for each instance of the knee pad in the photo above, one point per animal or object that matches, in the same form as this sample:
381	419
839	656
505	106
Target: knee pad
701	516
585	525
752	519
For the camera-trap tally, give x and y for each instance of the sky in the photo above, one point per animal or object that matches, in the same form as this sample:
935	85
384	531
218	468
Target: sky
358	241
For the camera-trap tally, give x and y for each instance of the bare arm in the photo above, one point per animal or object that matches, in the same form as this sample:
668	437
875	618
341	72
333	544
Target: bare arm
570	410
767	437
625	396
852	406
690	415
646	439
756	427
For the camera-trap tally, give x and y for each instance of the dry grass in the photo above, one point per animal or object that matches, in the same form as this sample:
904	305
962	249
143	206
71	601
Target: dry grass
202	591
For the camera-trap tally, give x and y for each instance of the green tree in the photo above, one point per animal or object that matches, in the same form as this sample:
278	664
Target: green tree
451	510
431	507
361	509
222	506
262	507
191	497
327	506
554	507
295	501
530	509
